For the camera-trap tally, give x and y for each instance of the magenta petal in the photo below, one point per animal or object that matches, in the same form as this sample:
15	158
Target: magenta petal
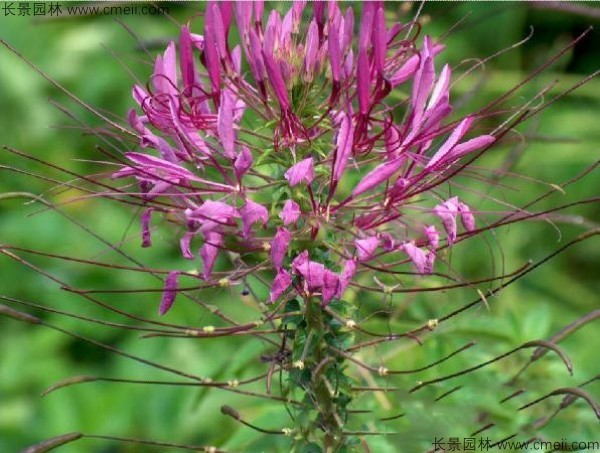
169	292
214	212
209	252
363	82
279	247
433	237
346	277
313	274
393	142
303	171
255	57
365	248
378	175
447	212
466	217
335	56
417	256
379	39
290	212
388	242
472	145
281	283
211	53
311	48
225	124
251	213
440	90
276	79
186	59
344	144
331	283
184	244
300	260
366	26
457	134
406	71
146	241
243	162
423	82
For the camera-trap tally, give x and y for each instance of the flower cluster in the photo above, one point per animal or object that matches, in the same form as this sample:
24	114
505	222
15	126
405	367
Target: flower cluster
304	150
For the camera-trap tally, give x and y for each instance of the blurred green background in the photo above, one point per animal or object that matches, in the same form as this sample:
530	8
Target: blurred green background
85	54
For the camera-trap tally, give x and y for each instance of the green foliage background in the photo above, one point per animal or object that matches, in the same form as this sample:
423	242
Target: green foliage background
83	54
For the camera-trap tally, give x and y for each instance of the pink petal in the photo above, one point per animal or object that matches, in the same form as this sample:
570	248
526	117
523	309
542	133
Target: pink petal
335	56
472	145
276	78
466	217
300	260
186	59
251	213
423	82
417	256
311	48
279	246
209	252
457	134
215	211
290	212
346	277
303	171
363	82
447	212
184	244
440	90
331	283
379	39
146	241
243	162
225	124
366	247
313	273
169	292
344	143
406	71
281	283
433	237
378	175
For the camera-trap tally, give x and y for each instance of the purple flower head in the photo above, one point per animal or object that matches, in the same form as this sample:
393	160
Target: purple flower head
316	93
